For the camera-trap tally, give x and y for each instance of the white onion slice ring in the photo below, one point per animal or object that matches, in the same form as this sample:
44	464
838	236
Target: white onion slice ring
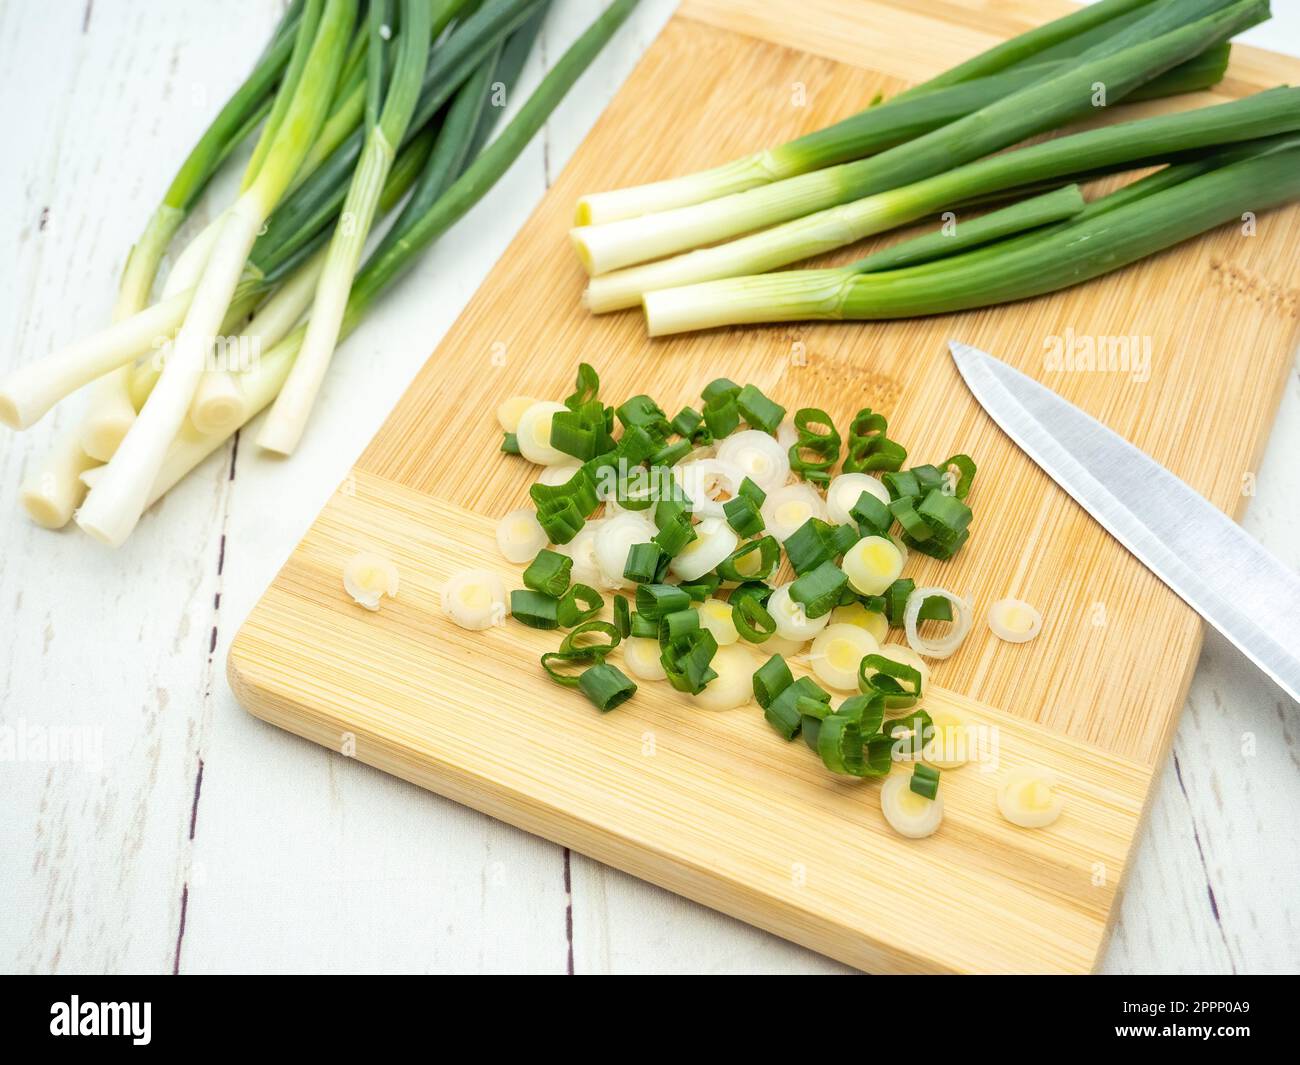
758	456
709	483
947	645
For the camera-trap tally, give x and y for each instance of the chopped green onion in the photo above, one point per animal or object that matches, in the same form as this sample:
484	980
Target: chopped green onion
654	601
839	538
622	616
606	686
678	623
671	454
636	445
896	600
568	680
537	610
751	618
699	590
569	613
721	415
770	680
925	780
674	534
898	684
868	448
749	490
965	468
809	546
824	443
919	726
571	642
588	386
783	713
581	432
687	422
818	590
874	518
769	559
686	660
644	628
549	572
719	388
644	412
642	563
510	444
759	411
742	515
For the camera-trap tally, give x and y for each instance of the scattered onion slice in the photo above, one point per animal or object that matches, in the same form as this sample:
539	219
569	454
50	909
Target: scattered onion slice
369	577
533	434
475	599
715	615
615	539
708	483
511	410
787	435
734	684
946	645
758	456
872	565
520	536
786	509
561	474
837	652
950	746
1028	797
1014	620
714	541
582	549
791	621
847	489
908	813
641	656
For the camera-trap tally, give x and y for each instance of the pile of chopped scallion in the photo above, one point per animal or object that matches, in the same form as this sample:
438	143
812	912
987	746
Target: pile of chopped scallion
699	515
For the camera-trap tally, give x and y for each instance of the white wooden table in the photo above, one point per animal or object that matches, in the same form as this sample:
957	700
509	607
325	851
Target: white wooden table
198	839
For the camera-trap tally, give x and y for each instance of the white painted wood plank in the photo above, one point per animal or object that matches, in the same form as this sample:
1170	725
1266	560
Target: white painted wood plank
112	643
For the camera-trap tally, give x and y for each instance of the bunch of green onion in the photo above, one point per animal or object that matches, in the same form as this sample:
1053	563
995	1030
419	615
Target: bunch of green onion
696	251
357	109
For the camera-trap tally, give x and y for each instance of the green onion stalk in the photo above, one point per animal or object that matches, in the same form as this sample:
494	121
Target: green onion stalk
114	505
1123	146
1094	243
1036	108
420	223
109	414
387	116
955	93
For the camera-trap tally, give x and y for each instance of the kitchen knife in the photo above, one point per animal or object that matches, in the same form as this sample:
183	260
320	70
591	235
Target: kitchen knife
1206	558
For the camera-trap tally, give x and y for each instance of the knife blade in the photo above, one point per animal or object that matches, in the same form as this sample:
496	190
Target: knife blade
1206	558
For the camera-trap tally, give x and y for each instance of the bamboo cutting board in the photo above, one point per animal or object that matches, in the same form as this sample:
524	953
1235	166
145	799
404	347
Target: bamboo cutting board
717	806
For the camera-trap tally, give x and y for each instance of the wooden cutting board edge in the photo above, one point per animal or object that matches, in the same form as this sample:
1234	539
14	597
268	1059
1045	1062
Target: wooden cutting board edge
251	663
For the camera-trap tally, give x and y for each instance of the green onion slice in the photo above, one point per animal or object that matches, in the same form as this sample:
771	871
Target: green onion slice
758	410
654	601
897	684
818	591
925	780
769	559
537	610
606	686
622	616
770	680
549	572
743	516
578	604
572	641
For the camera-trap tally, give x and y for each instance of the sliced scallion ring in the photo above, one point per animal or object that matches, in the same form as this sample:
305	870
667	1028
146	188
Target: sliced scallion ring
946	646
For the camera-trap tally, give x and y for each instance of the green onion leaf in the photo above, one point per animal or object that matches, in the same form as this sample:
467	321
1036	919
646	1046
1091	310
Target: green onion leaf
587	387
622	616
678	623
771	679
759	411
552	659
654	601
749	490
743	516
925	780
816	436
699	590
606	686
642	563
752	619
818	591
568	611
644	628
686	660
572	642
510	444
549	572
897	684
783	713
874	518
769	559
809	546
537	610
645	413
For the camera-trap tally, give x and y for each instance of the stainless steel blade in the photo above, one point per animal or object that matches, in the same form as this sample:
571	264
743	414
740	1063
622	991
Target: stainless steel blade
1220	571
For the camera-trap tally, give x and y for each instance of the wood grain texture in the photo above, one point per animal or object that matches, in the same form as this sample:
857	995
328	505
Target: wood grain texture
1117	652
209	841
714	806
